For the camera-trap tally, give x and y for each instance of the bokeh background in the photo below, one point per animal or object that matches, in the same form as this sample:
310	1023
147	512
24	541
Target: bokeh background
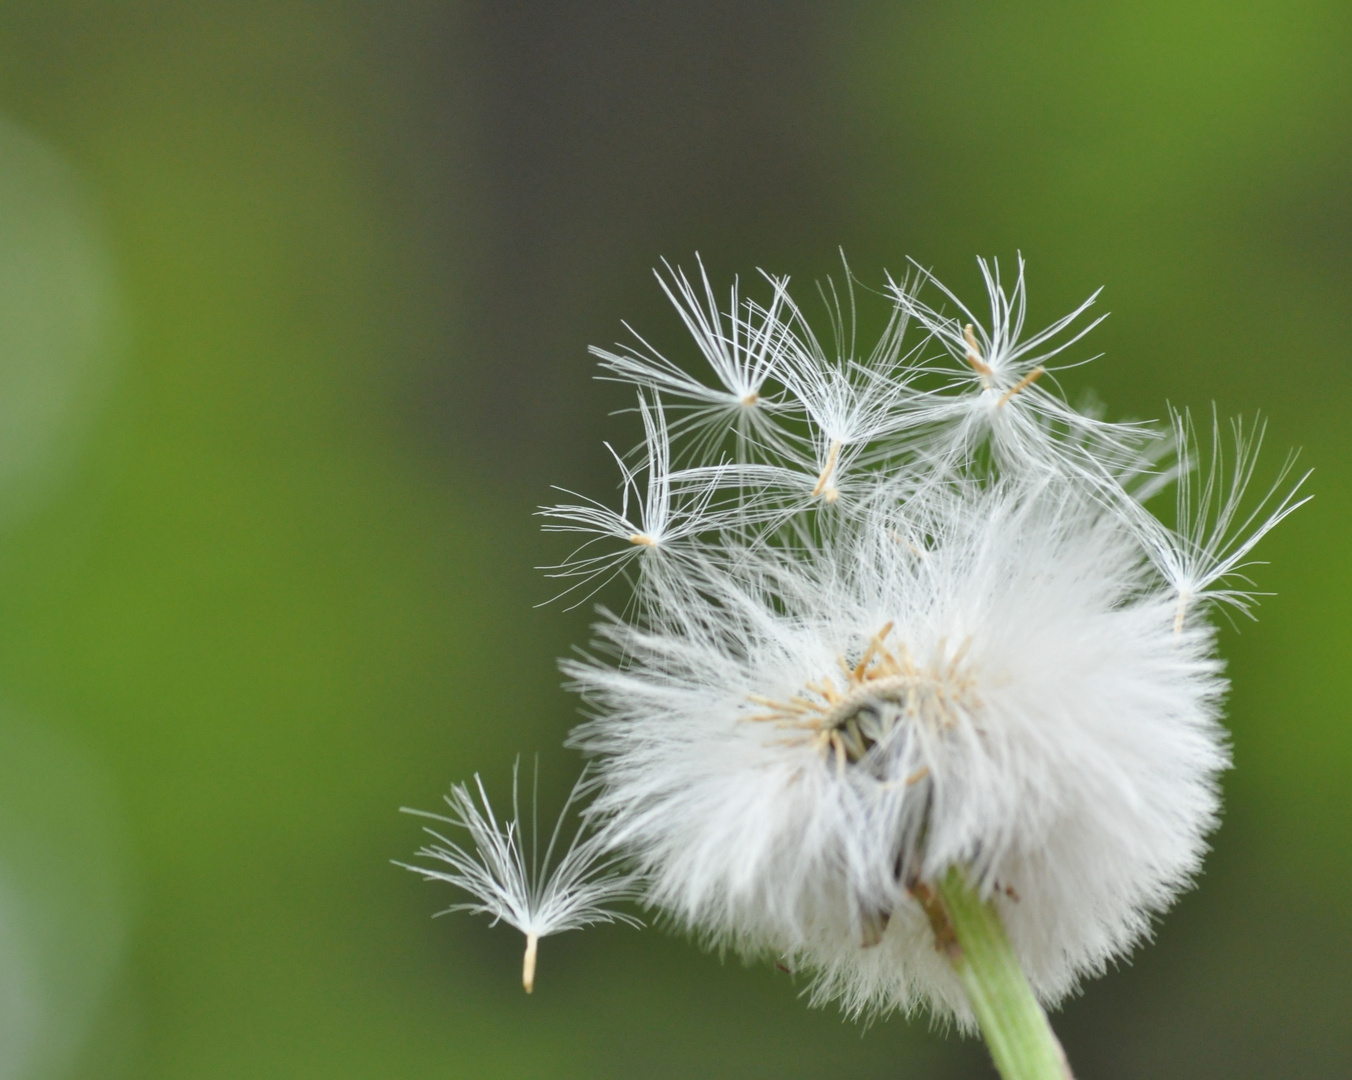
294	306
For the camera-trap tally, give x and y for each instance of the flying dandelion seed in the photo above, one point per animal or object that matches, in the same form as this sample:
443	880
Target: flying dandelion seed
536	895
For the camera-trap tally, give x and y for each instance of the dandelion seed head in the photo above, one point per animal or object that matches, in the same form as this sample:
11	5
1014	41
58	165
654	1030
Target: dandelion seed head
920	617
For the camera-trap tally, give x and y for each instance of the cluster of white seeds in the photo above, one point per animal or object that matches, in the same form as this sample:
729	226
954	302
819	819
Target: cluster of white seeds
893	611
898	610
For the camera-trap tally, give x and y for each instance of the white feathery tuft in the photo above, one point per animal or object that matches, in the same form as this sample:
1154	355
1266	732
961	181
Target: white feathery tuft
990	365
537	896
910	618
671	508
1213	538
739	347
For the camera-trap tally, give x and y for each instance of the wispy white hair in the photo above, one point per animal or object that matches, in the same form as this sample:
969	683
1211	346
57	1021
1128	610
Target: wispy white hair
508	879
922	617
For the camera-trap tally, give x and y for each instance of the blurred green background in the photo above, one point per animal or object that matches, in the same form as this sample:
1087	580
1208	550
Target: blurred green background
294	304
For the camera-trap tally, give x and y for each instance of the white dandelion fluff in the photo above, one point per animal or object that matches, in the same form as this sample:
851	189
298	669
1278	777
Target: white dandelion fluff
817	711
535	894
740	348
856	407
1204	557
1001	376
667	509
911	689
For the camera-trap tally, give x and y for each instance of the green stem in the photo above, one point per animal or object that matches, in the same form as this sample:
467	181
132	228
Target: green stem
969	932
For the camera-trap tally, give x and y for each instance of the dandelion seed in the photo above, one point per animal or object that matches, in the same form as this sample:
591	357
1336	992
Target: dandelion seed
740	350
1211	543
538	896
857	407
998	363
671	508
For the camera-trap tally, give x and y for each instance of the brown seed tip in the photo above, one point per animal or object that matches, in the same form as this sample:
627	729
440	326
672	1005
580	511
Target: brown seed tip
974	353
528	964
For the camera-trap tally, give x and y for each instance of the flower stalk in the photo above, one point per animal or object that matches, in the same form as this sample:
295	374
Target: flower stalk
968	931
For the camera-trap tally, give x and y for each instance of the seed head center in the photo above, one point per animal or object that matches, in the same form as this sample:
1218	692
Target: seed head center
884	691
